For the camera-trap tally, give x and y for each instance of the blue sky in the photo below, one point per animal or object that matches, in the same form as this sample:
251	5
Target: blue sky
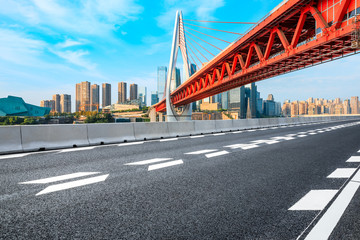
47	46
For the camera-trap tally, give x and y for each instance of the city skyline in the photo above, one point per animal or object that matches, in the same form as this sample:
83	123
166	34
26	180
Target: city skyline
76	54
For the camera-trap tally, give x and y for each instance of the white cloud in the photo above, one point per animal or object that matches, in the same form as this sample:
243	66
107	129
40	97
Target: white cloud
70	43
91	17
76	58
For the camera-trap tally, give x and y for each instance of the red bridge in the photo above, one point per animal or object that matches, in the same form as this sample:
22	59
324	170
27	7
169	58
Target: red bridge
298	34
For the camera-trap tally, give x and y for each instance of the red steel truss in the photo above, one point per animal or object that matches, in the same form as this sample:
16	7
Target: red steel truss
299	34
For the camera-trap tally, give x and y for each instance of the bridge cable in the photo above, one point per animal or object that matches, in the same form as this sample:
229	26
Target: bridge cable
195	55
193	60
198	51
205	41
200	45
213	29
220	21
207	35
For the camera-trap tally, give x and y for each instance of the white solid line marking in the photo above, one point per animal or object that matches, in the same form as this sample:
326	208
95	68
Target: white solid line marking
242	146
263	129
130	143
202	151
76	149
274	128
73	184
329	220
60	178
251	130
168	139
218	134
163	165
154	160
314	200
354	159
215	154
238	132
200	136
342	173
14	155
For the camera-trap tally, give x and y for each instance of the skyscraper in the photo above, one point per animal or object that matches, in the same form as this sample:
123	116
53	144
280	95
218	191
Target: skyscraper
77	97
95	97
83	96
142	95
161	80
154	98
175	79
106	94
56	99
122	92
133	91
65	103
354	105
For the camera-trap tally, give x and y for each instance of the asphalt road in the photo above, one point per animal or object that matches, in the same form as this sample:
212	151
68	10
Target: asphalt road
274	183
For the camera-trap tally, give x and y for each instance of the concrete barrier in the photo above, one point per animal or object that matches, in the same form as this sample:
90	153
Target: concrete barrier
224	125
246	124
104	133
181	128
53	136
10	139
203	127
151	130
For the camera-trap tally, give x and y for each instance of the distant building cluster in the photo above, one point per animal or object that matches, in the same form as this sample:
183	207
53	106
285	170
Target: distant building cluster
320	106
60	103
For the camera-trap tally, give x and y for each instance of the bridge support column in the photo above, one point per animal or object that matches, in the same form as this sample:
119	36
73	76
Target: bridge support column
173	113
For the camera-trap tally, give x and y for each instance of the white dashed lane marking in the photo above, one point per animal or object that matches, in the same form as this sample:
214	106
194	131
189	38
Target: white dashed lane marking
342	173
314	200
200	136
265	141
354	159
302	136
154	160
76	149
164	165
168	139
218	134
242	146
202	151
129	144
215	154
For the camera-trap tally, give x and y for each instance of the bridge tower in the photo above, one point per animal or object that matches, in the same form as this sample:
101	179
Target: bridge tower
173	113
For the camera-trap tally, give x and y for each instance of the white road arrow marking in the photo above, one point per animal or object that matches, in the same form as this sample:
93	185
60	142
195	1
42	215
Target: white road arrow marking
242	146
60	178
73	184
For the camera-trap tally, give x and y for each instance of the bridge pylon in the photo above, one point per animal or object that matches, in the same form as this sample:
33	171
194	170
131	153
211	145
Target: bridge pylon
173	113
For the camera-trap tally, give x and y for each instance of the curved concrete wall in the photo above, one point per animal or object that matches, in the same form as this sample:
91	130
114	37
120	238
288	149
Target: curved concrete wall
33	138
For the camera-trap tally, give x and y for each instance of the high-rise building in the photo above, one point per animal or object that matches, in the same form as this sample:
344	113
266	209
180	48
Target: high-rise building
48	104
224	100
133	91
106	94
56	99
354	105
77	97
95	97
175	79
347	106
83	96
65	103
142	91
154	98
192	69
122	92
161	80
244	101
